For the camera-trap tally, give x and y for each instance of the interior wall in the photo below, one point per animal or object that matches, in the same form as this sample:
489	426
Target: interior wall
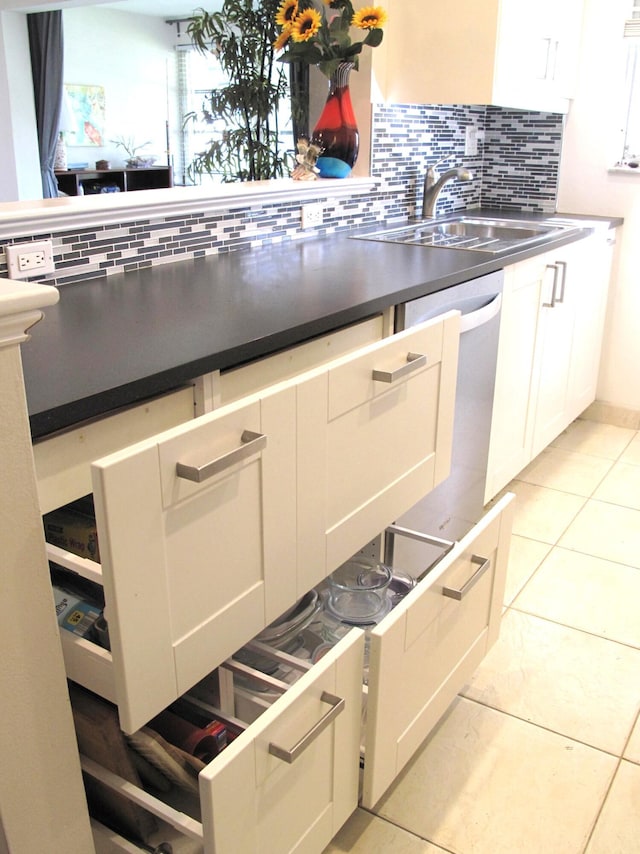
20	173
132	57
590	146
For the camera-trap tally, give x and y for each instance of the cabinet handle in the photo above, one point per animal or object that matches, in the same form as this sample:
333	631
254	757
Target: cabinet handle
414	361
562	264
337	706
454	593
251	444
551	304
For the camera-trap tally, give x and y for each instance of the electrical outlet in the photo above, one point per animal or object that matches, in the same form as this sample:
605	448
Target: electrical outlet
312	215
25	260
470	141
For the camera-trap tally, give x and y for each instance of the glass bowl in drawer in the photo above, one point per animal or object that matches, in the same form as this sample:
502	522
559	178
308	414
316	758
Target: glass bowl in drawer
358	590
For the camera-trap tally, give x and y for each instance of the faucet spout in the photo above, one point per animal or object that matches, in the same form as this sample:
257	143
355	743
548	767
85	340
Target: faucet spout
433	184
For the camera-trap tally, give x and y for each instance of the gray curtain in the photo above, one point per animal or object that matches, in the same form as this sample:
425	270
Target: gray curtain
47	55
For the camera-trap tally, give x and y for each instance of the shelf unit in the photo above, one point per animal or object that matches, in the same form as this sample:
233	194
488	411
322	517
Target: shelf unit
78	182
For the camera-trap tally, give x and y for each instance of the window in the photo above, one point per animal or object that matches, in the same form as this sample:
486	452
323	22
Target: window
630	152
198	74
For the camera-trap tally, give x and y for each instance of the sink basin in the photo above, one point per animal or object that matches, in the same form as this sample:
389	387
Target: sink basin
478	233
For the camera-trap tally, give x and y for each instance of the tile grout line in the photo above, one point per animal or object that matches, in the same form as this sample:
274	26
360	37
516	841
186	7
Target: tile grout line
548	729
573	628
409	832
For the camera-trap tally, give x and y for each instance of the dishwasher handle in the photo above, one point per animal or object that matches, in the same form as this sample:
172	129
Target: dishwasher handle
480	316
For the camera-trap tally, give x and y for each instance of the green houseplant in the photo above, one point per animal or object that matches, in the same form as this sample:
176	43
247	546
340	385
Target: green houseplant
242	36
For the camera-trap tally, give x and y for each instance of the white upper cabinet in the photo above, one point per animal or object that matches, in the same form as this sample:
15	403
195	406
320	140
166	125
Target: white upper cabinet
499	52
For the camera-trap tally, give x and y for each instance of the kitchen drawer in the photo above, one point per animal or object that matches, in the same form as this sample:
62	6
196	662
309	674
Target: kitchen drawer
254	798
63	461
374	436
258	375
191	569
423	652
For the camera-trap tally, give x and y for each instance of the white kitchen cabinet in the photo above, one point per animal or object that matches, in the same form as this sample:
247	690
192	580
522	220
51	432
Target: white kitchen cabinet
255	802
257	799
259	374
63	462
374	436
588	333
209	530
549	350
212	528
425	650
494	52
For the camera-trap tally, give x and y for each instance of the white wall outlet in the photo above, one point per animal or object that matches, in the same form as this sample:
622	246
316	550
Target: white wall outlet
312	215
470	141
25	260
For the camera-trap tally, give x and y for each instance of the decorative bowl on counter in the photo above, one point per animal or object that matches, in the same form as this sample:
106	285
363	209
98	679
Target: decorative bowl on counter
358	590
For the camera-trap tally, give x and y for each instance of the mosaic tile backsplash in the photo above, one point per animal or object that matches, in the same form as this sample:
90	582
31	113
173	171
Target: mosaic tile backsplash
516	166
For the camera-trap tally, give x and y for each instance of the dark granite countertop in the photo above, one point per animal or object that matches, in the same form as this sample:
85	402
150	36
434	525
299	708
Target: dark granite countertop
115	341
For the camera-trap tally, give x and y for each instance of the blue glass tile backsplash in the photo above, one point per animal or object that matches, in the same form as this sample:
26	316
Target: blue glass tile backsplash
516	166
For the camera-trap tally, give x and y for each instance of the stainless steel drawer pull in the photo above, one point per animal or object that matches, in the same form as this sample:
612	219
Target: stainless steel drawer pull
562	264
251	444
414	361
337	706
484	564
551	304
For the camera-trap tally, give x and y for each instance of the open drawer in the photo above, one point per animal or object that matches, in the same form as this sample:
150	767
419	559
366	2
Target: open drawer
210	530
422	653
290	780
287	783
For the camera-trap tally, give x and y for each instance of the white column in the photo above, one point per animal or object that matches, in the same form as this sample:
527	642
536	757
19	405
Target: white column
42	801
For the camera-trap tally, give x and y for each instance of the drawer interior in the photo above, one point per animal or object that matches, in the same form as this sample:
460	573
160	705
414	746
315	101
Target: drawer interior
161	762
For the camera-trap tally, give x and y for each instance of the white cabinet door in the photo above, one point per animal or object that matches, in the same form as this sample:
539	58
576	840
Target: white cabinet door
424	651
512	425
549	351
553	350
192	569
257	803
537	54
592	261
492	52
374	436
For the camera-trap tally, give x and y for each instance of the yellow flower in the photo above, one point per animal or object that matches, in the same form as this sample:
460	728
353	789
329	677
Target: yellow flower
283	38
286	13
369	18
306	25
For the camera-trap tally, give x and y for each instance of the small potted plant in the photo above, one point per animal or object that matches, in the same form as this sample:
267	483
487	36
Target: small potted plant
134	160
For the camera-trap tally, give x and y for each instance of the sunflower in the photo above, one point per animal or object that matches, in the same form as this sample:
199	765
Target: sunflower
306	25
283	38
369	18
286	13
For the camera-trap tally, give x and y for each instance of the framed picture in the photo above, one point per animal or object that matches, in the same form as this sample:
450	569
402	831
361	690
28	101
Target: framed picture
87	108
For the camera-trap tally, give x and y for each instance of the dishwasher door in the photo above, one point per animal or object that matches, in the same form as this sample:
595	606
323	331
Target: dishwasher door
453	507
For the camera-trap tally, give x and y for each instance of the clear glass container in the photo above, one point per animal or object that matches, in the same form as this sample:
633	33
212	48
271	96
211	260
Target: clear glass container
358	590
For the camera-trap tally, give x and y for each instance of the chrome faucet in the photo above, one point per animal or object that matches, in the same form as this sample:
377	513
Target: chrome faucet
433	183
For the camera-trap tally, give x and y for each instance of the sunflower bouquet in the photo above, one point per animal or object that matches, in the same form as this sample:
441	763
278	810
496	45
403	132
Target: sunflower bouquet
317	32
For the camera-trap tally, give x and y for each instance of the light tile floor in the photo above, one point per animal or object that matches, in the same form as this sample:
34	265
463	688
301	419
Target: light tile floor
540	753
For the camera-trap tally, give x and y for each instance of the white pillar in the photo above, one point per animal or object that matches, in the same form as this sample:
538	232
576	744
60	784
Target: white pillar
42	800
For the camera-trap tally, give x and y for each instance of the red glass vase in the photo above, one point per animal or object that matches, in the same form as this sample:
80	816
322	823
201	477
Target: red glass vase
336	131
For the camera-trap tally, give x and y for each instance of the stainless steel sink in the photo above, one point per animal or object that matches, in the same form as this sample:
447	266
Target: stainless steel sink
482	234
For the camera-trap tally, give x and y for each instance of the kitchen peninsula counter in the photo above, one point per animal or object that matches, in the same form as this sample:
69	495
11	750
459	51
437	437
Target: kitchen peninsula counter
114	341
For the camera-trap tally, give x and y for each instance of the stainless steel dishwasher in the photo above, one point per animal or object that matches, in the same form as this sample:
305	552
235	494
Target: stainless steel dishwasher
453	507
